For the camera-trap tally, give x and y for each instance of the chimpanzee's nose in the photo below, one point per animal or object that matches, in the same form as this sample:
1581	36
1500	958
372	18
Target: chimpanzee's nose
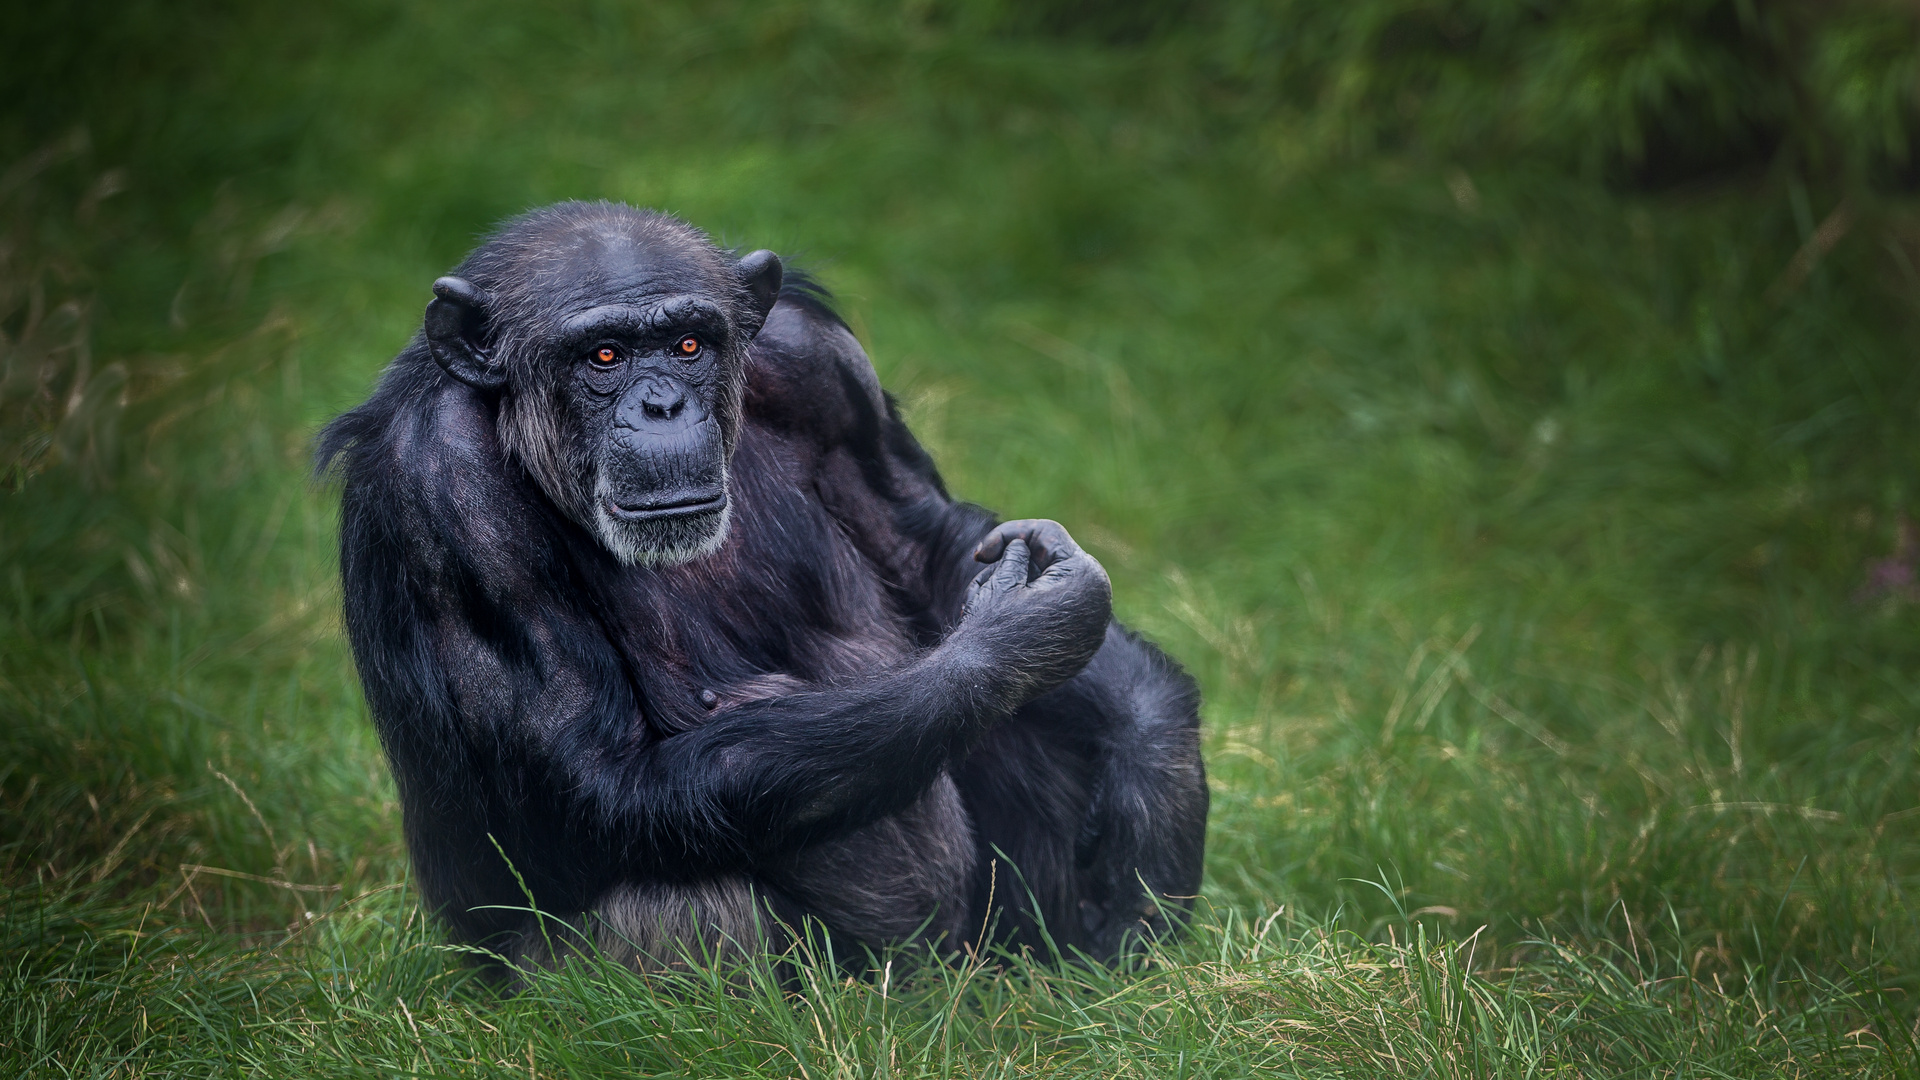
663	401
656	403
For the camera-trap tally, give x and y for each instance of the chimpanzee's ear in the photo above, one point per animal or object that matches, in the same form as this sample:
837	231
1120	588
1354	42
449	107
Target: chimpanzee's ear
760	272
456	331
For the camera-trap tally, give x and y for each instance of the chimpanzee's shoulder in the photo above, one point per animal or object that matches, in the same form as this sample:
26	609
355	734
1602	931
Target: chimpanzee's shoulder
807	374
424	473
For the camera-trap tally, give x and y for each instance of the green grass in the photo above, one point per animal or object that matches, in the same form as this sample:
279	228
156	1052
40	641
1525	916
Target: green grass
1518	528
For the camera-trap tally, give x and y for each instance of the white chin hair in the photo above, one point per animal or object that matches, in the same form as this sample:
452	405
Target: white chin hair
662	542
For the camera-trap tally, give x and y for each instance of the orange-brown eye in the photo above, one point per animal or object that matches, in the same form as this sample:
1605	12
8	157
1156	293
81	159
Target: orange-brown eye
605	354
688	345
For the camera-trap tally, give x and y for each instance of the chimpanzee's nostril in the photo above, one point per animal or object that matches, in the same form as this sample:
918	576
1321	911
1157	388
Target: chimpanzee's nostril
666	406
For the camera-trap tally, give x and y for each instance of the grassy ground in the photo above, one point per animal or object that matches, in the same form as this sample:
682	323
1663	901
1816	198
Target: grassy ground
1539	546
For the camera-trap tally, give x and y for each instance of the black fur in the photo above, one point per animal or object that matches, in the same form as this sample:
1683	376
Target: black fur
834	713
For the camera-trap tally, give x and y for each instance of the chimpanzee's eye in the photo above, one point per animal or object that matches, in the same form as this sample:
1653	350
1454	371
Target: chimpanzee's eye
687	346
606	356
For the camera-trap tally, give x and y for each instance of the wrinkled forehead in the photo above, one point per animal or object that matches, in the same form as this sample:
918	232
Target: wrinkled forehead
624	261
618	265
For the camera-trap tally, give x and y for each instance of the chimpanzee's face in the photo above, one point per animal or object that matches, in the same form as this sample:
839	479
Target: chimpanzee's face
650	364
623	345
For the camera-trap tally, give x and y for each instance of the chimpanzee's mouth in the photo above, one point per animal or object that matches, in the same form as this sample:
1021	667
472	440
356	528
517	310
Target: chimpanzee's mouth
702	502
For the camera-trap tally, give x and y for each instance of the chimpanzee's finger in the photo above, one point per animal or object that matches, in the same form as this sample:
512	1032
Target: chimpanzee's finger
1071	572
1011	573
1047	540
992	544
1062	568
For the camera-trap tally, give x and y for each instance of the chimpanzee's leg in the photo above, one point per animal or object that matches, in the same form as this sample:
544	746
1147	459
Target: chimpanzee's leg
656	926
902	880
1087	800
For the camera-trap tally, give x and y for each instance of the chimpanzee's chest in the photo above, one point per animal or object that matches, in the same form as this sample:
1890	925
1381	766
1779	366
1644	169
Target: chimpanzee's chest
806	591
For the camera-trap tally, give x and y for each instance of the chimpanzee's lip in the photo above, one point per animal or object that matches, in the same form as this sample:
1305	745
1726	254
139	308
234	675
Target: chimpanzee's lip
680	506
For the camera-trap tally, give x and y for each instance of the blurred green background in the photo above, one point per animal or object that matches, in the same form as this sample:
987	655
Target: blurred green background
1506	408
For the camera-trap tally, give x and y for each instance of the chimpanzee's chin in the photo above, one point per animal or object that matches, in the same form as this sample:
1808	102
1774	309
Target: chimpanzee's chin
662	539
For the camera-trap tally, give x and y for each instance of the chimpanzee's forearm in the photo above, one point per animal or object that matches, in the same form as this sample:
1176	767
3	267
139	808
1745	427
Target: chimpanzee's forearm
771	775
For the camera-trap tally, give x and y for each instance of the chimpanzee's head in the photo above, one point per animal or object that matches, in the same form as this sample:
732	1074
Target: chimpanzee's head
616	340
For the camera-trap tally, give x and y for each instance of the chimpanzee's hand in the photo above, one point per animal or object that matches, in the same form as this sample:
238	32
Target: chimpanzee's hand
1042	608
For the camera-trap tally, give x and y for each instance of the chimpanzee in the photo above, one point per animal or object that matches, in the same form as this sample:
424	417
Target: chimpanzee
670	627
